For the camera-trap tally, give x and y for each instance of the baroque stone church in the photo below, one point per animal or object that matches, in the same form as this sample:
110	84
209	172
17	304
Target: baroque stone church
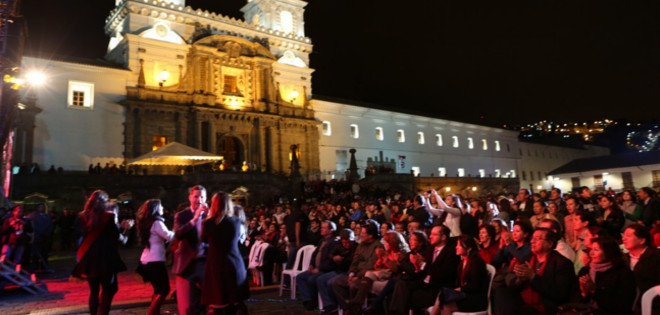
239	89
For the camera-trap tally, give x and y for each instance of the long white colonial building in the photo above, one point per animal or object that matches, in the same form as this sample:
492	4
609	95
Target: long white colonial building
242	89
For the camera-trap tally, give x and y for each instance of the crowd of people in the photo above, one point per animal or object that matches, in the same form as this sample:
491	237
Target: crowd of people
551	252
379	250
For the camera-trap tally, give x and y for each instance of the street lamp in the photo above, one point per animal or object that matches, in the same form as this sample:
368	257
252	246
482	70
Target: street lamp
162	77
35	78
294	94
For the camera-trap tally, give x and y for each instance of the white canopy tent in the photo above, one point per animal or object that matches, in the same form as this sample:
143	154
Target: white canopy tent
175	153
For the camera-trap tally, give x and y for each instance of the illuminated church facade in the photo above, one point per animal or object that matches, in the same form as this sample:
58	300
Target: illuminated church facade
240	89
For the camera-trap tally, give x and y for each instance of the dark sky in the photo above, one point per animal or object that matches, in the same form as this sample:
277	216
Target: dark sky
494	61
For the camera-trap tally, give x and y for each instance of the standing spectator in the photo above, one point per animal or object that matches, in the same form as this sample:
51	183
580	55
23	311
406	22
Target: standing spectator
448	211
66	224
225	284
314	232
153	235
539	213
295	229
190	254
650	206
631	210
98	255
42	225
587	200
557	198
612	220
15	237
572	206
525	203
420	213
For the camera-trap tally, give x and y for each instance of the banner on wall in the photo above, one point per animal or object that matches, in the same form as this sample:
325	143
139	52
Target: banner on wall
402	161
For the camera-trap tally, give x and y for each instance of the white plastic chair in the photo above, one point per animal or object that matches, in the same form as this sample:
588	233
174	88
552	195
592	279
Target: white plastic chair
257	253
647	299
303	259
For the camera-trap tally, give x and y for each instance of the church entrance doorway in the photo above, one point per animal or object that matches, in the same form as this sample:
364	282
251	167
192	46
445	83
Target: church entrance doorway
231	149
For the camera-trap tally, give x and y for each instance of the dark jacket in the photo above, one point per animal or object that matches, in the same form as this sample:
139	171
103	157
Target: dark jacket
558	285
443	269
347	253
327	264
102	258
650	211
615	290
422	216
225	278
185	232
614	223
646	271
474	283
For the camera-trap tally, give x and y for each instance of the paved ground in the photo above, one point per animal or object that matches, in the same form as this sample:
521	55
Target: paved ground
69	297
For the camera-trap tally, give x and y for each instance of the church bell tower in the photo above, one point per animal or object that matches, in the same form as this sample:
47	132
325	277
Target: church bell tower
285	16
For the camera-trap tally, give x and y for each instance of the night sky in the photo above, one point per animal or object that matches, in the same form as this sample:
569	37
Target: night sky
493	62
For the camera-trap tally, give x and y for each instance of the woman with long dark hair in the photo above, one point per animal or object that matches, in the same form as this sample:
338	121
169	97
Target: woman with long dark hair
612	220
98	253
153	235
471	291
225	285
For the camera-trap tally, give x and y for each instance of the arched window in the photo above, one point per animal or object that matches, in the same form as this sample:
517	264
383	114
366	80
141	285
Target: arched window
355	133
401	136
420	138
438	139
286	22
379	134
455	140
326	128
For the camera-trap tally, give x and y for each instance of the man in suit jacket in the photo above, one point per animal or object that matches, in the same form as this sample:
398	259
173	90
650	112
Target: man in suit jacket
434	269
525	203
650	205
542	284
643	260
190	254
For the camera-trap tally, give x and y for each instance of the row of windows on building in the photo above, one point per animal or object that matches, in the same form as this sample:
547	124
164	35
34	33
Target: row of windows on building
401	137
539	175
551	155
460	172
